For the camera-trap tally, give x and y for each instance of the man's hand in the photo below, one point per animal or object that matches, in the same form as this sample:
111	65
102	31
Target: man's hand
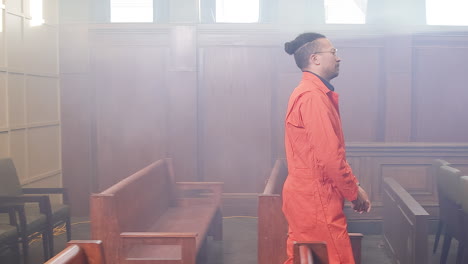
362	203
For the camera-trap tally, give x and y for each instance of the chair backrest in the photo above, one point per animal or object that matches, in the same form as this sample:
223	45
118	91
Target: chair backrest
10	183
464	193
136	201
450	182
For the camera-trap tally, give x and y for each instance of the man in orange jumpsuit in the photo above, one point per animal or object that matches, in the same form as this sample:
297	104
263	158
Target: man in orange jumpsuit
319	177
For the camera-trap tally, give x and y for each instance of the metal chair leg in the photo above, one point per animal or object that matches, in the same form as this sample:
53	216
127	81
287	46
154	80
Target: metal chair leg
68	226
440	227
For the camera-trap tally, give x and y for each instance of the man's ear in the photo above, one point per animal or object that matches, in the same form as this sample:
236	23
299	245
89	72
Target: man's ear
313	59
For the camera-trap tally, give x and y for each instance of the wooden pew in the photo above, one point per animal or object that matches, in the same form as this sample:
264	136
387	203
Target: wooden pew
310	253
405	225
148	218
80	252
272	225
464	217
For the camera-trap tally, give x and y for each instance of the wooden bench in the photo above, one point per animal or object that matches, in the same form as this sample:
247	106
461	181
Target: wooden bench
149	218
405	225
272	225
80	252
310	253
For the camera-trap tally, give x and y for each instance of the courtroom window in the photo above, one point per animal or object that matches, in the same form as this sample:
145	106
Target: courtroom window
237	11
35	11
131	11
447	12
345	11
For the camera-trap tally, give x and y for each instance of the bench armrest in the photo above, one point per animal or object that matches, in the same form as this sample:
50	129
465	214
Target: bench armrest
61	191
186	241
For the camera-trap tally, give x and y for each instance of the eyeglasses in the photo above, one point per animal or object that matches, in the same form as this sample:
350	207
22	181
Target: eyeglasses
333	51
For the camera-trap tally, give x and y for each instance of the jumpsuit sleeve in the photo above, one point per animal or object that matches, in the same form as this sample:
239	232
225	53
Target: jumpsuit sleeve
327	145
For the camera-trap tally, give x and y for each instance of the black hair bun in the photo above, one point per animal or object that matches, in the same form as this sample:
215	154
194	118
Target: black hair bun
290	47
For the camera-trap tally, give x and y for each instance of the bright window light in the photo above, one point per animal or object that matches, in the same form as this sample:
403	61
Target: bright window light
2	9
447	12
131	10
345	11
35	10
237	11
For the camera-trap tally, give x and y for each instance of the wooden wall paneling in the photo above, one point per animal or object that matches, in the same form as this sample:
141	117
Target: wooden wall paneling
183	110
408	163
129	75
398	87
77	115
235	104
77	111
439	100
360	90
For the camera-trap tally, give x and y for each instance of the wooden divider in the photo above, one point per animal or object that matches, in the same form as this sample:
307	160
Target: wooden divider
405	225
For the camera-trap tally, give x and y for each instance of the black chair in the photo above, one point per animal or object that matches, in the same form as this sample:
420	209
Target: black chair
464	216
9	237
36	213
449	205
436	164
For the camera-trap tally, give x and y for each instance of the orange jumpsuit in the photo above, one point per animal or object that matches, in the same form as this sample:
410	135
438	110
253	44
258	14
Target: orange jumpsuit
319	176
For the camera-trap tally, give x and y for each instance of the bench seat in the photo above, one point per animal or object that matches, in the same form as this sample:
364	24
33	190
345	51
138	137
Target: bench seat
148	218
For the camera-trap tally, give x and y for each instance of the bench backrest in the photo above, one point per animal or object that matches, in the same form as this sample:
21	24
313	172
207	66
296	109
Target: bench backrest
80	252
274	185
405	225
138	199
272	225
132	204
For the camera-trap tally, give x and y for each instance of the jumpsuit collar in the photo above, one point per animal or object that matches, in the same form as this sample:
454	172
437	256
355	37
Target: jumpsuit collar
327	83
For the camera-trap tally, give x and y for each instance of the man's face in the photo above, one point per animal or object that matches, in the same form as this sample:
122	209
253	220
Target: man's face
328	59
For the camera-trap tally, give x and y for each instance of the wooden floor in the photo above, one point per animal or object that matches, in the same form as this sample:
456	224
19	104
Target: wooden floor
239	245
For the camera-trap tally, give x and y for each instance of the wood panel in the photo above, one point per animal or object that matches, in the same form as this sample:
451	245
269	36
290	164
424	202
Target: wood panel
183	109
438	96
131	106
235	107
360	90
405	225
